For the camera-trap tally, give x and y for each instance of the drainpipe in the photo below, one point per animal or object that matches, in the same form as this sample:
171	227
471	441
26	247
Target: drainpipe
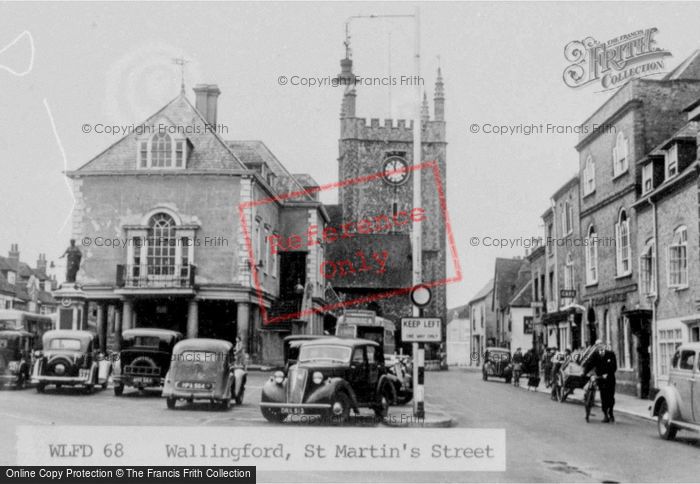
655	300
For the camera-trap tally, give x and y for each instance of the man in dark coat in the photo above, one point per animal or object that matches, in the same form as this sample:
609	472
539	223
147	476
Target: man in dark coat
604	362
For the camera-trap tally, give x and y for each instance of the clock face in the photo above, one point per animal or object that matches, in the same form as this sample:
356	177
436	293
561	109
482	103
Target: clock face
395	170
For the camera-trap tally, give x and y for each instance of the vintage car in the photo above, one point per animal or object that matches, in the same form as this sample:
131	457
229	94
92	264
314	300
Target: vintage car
204	369
677	405
292	344
331	377
70	358
497	363
15	357
144	358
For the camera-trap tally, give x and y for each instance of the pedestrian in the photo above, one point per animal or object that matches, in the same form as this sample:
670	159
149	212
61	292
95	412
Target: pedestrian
238	352
547	366
604	363
517	366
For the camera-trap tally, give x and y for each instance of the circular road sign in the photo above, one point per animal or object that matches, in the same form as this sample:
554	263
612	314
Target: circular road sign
421	295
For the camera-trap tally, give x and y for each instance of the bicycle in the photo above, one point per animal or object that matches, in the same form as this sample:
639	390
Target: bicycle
589	395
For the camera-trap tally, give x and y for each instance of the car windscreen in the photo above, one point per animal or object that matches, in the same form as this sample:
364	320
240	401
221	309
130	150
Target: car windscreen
147	341
64	344
333	353
197	364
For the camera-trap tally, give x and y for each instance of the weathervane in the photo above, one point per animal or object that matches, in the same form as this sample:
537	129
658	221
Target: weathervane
181	61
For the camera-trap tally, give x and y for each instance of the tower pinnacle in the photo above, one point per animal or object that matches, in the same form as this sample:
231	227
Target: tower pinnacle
439	97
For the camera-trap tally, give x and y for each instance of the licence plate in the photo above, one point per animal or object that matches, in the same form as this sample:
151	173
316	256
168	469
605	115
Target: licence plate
293	410
195	385
141	379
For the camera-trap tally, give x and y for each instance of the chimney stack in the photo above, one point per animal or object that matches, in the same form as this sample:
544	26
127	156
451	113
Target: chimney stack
206	96
41	263
13	254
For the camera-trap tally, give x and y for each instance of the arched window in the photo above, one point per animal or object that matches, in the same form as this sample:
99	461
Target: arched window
161	150
622	244
591	256
588	176
678	259
647	269
620	155
161	245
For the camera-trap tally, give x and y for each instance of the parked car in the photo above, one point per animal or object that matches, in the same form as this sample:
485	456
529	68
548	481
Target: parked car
292	344
677	405
15	357
144	358
204	369
331	377
497	363
70	358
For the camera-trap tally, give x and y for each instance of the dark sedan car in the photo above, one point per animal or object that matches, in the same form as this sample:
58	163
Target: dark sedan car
497	363
144	358
331	377
15	357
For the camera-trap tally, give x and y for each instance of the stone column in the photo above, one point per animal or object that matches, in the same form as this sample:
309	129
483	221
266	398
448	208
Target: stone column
118	328
243	323
193	319
127	315
102	326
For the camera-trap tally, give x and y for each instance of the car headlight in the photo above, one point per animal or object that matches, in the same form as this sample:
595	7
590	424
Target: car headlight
13	366
278	377
317	377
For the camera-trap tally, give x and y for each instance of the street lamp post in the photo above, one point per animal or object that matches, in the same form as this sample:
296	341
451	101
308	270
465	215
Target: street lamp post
416	227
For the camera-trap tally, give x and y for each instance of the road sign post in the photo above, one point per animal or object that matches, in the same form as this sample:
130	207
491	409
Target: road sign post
419	330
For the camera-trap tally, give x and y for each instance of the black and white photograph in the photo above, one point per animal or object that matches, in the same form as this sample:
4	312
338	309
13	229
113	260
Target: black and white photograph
349	242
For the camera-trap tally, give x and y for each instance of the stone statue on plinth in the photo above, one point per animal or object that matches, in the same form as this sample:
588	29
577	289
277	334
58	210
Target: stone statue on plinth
73	256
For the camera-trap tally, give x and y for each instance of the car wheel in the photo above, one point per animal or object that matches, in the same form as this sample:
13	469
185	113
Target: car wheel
40	387
118	390
239	397
89	388
104	385
484	376
223	404
21	382
272	415
382	408
340	408
509	379
170	402
666	429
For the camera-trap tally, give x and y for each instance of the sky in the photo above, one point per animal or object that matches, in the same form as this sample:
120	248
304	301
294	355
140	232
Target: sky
111	64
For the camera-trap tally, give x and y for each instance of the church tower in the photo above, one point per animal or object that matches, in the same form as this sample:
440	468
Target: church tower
368	147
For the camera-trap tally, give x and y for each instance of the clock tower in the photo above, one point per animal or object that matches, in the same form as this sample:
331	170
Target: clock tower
370	147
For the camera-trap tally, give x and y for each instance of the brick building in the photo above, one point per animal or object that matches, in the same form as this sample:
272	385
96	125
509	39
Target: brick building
23	287
170	192
564	322
365	149
622	131
510	276
667	243
538	270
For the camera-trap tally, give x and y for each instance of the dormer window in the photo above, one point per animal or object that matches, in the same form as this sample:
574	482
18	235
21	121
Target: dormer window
648	178
672	161
620	155
162	151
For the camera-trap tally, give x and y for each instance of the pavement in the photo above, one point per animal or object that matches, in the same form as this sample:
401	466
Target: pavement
545	441
627	404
